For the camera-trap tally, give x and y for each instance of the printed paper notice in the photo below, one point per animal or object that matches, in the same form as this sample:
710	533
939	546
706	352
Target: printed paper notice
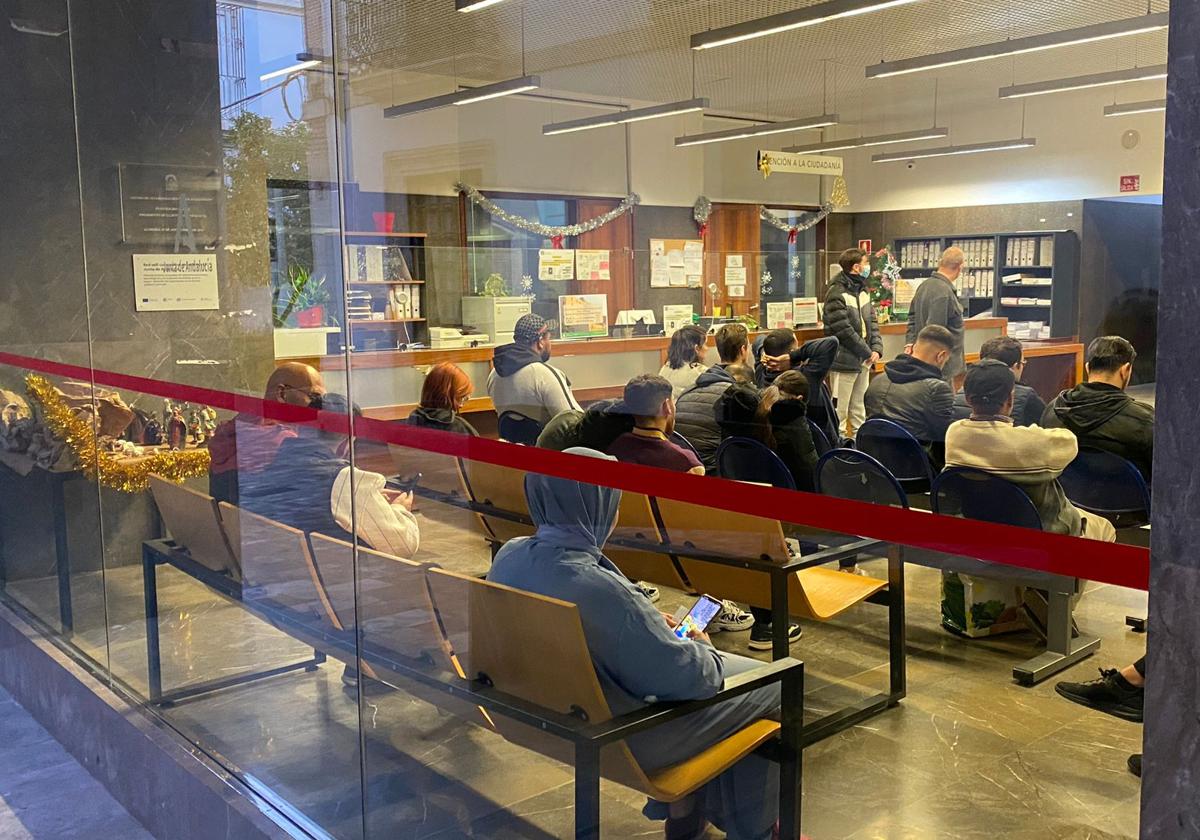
779	315
591	265
556	264
735	291
693	249
693	281
735	275
678	277
733	261
676	316
804	311
660	271
583	316
675	258
174	282
902	293
658	247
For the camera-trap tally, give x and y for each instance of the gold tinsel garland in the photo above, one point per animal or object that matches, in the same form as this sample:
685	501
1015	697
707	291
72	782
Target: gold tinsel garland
130	477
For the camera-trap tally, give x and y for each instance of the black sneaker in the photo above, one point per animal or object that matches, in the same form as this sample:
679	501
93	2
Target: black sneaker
1111	694
762	636
1135	764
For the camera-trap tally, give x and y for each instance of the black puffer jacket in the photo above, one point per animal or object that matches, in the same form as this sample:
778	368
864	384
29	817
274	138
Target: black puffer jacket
695	414
1105	417
913	394
1028	406
850	317
737	411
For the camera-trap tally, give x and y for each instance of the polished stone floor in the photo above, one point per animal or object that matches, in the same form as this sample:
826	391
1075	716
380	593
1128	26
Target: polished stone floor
968	754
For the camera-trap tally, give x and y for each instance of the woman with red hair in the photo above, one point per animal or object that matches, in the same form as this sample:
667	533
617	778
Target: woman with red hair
445	392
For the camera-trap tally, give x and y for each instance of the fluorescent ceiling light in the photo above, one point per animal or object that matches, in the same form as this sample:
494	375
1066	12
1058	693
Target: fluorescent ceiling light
464	97
473	5
633	115
802	124
785	21
1115	77
877	140
1018	46
1127	108
973	149
293	68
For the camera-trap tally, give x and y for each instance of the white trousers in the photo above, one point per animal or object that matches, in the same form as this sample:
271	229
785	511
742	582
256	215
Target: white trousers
849	390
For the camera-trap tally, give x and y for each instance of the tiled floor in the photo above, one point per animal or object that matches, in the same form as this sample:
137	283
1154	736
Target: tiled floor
45	794
968	754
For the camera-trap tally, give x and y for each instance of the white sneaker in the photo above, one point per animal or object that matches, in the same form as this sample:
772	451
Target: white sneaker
649	591
732	618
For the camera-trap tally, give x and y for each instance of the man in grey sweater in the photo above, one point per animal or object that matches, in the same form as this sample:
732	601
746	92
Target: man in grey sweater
522	381
936	302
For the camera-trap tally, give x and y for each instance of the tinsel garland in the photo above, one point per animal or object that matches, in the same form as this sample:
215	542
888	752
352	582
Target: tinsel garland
555	232
701	210
781	223
133	477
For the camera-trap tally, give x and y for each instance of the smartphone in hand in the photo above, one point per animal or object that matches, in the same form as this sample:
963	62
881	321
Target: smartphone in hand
696	619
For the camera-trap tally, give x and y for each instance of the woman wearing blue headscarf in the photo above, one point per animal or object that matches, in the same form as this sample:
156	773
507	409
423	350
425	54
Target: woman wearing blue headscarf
639	660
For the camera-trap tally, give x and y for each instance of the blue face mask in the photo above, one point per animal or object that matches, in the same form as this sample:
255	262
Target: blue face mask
865	273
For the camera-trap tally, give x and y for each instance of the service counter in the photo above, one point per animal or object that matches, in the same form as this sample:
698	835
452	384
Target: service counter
387	384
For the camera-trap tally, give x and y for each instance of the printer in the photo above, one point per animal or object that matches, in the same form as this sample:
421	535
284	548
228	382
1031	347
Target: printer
455	338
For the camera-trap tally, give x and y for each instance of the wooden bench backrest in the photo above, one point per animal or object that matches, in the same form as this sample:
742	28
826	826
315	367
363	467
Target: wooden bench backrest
635	521
532	647
502	488
194	523
438	472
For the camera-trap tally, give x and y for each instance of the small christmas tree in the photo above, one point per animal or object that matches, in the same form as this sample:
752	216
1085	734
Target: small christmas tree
884	273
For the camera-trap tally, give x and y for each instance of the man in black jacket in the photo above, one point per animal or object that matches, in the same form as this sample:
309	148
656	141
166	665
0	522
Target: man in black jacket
912	393
936	302
1028	405
695	410
1099	411
849	317
778	351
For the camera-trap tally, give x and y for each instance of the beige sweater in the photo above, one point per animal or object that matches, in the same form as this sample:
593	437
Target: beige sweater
1030	456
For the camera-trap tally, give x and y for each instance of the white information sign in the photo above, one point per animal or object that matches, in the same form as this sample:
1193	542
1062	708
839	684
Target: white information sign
804	311
174	282
769	162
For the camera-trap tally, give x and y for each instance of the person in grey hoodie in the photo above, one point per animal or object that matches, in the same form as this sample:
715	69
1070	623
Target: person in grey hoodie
522	381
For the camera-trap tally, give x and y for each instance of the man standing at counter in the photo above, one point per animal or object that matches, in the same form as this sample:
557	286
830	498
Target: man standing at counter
522	381
936	302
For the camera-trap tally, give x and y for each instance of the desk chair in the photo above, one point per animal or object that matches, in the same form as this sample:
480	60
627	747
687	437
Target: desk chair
517	428
1107	485
891	445
746	459
851	474
194	521
680	441
974	494
819	439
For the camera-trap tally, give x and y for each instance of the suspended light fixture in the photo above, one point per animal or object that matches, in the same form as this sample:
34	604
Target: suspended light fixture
758	130
466	96
301	65
944	151
877	140
1093	80
474	5
809	16
633	115
1127	108
1019	46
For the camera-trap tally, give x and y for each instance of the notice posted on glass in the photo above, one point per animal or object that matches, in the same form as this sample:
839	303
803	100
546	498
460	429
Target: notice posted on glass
175	282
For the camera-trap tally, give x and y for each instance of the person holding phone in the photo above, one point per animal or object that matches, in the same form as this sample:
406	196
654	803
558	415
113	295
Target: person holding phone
640	660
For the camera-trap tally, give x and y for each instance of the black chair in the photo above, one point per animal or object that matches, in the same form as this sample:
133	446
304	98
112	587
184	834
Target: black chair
1107	485
975	494
517	428
745	459
891	445
819	439
681	441
850	474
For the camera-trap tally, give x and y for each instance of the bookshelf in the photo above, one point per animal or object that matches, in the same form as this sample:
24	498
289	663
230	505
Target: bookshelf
1029	277
385	275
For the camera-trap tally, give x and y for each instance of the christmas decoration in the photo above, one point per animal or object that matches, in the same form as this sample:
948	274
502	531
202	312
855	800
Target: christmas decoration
765	282
527	286
554	232
885	271
701	210
97	463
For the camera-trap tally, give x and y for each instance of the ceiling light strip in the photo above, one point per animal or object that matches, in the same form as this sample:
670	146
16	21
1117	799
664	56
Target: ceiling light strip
1127	108
877	140
633	115
944	151
810	16
474	5
293	68
1019	46
759	130
1115	77
464	97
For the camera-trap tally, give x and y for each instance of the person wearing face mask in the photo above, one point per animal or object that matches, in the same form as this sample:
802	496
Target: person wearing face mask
936	302
522	381
849	316
1099	411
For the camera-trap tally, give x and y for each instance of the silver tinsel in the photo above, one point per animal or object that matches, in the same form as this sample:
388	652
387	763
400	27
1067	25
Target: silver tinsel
701	210
532	226
781	223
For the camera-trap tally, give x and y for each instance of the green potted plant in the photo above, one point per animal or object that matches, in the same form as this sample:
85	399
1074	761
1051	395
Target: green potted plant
300	322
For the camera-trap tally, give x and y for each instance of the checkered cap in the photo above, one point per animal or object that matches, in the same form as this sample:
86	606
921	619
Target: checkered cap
529	329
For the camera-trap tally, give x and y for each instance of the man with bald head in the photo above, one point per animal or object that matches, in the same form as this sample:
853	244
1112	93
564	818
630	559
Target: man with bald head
936	302
296	383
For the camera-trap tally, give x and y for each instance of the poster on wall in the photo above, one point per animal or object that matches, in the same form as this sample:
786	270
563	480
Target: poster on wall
902	293
735	275
583	316
556	264
804	311
779	315
676	316
735	291
592	265
169	205
174	282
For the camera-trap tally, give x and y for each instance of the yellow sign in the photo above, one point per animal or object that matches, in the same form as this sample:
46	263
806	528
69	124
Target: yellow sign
769	162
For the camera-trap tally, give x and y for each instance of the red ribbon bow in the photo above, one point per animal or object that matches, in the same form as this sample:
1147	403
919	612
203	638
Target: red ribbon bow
703	229
556	241
792	235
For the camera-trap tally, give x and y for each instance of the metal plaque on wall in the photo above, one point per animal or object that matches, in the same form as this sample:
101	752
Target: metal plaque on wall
169	207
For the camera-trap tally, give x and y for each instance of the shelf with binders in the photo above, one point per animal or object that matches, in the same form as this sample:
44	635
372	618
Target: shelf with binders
1039	282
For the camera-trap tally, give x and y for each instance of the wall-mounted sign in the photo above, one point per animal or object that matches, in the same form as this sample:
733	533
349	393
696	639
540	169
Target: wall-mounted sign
174	282
1131	183
769	162
583	316
169	206
864	245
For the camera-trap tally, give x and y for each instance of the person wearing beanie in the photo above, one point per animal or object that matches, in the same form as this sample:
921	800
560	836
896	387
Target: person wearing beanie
1029	456
522	381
